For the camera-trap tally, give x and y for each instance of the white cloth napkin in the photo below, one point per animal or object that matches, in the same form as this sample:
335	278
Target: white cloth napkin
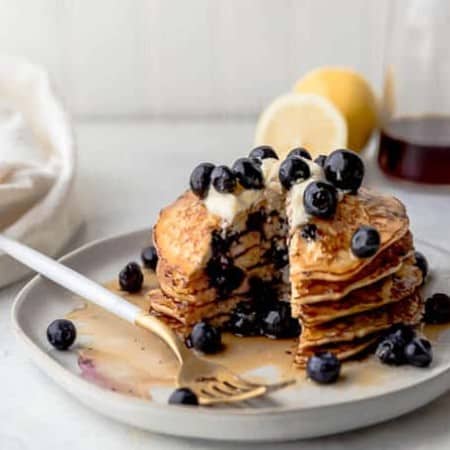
37	165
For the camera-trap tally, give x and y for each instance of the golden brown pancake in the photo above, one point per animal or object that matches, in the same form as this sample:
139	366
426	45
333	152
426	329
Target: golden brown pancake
408	311
387	262
329	256
388	290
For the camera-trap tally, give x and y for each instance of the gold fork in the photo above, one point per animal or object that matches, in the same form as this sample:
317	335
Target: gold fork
211	382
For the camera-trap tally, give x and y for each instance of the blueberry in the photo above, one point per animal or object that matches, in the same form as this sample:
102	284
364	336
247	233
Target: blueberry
131	278
149	257
263	152
345	170
245	320
320	160
205	338
401	334
320	199
418	353
365	242
277	255
278	322
301	152
61	333
183	396
293	170
388	352
200	179
422	264
255	221
309	232
223	179
219	244
262	293
248	173
224	275
437	309
324	368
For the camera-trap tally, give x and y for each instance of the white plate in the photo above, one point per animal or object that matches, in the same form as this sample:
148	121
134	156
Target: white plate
302	411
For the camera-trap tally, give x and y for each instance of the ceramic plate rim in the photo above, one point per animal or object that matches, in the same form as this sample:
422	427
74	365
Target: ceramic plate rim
52	367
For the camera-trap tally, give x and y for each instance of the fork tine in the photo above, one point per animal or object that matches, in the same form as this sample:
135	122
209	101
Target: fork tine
223	389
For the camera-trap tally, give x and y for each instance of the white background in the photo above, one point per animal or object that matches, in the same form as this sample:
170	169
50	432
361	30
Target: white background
178	58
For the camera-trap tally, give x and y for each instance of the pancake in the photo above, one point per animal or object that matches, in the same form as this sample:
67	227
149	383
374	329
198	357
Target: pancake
391	289
329	256
408	311
343	350
389	261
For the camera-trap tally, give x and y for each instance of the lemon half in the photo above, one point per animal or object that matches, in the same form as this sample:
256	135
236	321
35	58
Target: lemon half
350	93
301	120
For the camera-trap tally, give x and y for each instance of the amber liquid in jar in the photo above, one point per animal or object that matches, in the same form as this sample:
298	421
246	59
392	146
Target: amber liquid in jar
417	149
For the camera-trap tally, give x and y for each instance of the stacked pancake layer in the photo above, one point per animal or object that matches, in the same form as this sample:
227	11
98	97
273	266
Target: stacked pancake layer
344	302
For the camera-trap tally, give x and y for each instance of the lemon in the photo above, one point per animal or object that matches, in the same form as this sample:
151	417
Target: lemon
350	93
301	120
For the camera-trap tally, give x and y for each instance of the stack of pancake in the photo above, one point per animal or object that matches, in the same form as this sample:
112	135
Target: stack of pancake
343	302
204	269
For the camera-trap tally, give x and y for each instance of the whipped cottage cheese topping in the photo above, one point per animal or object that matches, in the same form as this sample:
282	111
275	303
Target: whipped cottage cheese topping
227	206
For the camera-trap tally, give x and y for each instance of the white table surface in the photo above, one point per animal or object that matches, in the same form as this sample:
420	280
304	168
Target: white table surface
127	172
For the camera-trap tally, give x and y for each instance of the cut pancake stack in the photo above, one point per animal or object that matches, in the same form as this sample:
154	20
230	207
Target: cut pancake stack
205	270
345	302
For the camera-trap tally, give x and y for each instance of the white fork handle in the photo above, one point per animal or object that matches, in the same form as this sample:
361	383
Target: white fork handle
70	279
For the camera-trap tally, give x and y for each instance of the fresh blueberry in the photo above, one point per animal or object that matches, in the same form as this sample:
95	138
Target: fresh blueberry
320	160
278	322
263	152
223	179
345	170
183	396
418	352
245	320
293	170
224	275
301	152
320	199
365	242
200	179
205	338
437	309
388	352
61	333
309	232
324	368
422	264
149	257
248	173
401	334
131	278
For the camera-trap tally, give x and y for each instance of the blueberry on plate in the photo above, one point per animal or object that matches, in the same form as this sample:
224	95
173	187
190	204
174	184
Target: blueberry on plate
245	320
149	257
223	179
437	309
345	170
365	242
301	152
320	199
401	334
323	368
320	160
293	170
388	352
131	278
248	173
263	152
61	333
309	232
200	179
183	396
422	264
278	322
205	338
418	352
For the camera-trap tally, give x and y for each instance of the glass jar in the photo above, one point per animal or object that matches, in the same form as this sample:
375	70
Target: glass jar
415	111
